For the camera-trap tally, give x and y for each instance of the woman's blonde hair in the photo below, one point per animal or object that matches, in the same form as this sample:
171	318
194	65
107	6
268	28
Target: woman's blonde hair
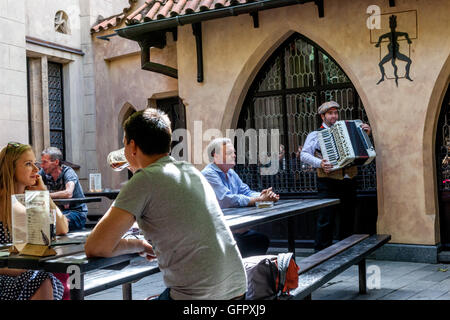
8	158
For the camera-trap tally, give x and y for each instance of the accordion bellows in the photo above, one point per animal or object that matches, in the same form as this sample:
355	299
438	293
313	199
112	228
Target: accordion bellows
346	144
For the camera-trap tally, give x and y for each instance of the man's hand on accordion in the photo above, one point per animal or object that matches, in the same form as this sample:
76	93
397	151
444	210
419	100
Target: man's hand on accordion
326	166
366	128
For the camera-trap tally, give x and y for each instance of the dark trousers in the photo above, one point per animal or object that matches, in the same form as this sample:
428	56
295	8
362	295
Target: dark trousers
251	243
340	218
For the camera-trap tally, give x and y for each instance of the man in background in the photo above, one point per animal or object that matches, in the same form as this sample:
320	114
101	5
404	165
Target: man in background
63	183
232	192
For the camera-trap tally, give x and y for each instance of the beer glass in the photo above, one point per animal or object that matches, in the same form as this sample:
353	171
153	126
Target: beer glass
117	161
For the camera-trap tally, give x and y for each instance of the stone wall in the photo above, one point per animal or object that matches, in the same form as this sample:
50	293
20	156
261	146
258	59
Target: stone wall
13	70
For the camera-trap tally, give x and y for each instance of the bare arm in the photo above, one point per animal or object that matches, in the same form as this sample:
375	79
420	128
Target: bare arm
64	194
11	272
106	238
62	224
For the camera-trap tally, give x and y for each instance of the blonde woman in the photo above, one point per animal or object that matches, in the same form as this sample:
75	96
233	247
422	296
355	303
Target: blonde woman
18	173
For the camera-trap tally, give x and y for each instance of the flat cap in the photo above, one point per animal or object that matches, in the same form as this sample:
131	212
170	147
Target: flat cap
327	106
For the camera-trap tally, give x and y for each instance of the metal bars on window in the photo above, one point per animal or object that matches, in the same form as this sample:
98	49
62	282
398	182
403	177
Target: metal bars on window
56	106
285	96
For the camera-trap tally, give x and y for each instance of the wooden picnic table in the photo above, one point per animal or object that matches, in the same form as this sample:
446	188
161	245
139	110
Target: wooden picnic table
70	248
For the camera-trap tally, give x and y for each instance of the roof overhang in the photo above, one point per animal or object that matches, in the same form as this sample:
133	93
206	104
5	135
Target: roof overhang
144	29
153	33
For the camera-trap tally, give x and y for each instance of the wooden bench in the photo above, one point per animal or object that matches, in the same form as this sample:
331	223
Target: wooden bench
321	267
315	270
103	279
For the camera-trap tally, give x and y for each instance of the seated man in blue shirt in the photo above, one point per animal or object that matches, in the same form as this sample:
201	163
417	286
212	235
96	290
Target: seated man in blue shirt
232	192
63	183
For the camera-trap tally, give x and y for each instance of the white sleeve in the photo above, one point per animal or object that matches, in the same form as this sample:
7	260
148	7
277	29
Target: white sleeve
307	154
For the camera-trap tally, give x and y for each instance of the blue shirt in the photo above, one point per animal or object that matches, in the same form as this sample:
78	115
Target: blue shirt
67	174
229	188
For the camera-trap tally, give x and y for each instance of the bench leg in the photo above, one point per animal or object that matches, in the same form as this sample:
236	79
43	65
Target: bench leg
78	293
362	276
126	291
308	297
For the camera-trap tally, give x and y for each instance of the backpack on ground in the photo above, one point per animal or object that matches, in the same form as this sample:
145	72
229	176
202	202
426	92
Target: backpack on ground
270	277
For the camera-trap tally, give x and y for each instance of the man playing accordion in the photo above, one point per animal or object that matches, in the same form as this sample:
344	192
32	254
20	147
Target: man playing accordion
331	184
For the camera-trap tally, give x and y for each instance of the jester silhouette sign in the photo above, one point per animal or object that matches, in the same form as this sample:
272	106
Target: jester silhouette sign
394	52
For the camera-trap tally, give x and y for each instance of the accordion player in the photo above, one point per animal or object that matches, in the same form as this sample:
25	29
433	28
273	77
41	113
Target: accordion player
346	144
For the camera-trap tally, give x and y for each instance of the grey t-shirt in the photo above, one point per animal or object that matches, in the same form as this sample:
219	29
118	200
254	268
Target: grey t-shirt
178	212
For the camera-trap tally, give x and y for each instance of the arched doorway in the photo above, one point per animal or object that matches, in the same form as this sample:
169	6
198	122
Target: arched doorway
443	170
285	94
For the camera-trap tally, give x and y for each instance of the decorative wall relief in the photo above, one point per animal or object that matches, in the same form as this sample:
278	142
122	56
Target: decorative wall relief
397	50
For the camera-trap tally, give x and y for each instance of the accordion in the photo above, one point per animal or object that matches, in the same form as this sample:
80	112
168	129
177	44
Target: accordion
346	144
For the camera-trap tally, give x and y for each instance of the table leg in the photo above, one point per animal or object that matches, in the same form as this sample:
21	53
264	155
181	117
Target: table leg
362	276
126	291
291	235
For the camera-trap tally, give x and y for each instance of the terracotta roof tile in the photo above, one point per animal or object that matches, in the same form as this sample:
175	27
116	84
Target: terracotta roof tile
137	13
114	20
176	10
151	14
190	7
206	5
219	3
162	9
164	12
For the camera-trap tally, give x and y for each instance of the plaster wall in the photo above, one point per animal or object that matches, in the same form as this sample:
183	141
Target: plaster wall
121	84
40	21
234	51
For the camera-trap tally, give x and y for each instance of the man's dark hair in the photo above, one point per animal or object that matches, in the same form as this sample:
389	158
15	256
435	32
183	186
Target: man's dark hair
150	130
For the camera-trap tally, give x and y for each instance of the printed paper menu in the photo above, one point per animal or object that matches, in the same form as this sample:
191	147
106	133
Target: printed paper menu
37	205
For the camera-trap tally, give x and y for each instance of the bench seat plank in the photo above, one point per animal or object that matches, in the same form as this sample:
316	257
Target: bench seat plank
321	274
329	252
103	279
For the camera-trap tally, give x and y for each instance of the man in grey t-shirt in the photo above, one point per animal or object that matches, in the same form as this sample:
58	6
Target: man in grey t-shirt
177	211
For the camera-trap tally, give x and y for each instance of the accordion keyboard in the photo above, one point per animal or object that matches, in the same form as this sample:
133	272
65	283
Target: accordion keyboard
329	151
345	144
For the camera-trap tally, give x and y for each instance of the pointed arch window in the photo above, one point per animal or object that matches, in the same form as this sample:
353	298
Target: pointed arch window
285	95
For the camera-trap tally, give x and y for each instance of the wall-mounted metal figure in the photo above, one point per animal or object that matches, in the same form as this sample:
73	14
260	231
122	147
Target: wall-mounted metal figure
394	52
